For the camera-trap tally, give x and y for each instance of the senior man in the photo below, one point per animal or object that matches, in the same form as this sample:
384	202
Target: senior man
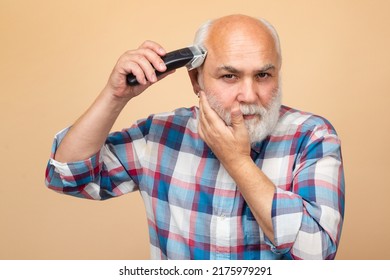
239	177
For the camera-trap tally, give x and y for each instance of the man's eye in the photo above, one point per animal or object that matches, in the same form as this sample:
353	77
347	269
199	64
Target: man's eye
263	75
229	76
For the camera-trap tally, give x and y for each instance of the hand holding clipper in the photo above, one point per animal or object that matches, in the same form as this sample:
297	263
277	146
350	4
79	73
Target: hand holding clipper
191	57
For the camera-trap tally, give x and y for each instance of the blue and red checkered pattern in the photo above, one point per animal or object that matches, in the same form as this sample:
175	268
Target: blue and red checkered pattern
194	208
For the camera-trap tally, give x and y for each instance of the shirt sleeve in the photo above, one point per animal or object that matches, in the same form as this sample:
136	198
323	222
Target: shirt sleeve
308	217
99	177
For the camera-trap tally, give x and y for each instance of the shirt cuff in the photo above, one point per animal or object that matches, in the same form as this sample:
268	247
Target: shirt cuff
78	173
73	174
287	212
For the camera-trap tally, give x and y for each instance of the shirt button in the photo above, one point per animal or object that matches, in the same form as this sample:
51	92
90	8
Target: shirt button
222	217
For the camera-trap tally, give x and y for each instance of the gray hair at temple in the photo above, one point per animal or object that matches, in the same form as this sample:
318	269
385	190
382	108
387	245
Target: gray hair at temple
202	33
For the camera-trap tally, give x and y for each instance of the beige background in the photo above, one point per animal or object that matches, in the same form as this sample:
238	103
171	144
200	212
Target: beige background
55	56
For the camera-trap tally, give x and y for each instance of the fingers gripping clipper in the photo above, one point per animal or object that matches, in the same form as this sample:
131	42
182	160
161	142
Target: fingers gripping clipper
191	57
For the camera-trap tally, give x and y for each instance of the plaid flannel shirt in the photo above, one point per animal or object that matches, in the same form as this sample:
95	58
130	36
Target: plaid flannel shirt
193	206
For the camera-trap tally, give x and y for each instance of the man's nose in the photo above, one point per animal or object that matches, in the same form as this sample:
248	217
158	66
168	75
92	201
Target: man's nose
247	92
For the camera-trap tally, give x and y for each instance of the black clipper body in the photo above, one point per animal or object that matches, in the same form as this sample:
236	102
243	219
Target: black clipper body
191	57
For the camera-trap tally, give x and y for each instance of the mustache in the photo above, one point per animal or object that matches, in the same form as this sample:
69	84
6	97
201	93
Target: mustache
252	109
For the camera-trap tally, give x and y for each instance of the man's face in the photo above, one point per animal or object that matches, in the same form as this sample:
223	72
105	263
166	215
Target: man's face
243	67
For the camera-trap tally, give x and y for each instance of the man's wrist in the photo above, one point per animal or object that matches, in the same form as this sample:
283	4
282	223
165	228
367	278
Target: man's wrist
113	101
238	165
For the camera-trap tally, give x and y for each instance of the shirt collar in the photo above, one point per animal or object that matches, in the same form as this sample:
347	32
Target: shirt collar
257	147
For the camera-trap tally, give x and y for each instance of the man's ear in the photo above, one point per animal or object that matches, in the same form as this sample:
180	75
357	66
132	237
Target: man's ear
194	75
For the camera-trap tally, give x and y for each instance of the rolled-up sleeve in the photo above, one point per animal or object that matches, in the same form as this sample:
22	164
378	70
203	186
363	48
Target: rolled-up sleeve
99	177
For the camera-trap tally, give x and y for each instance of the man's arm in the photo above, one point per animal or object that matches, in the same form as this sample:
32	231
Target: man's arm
88	134
232	147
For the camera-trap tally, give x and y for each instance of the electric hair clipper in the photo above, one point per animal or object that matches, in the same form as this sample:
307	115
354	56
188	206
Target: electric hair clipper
192	57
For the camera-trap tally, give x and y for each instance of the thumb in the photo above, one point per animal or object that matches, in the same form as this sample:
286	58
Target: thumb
237	119
238	126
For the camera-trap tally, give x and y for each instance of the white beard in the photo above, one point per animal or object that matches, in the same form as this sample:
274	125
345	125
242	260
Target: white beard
258	128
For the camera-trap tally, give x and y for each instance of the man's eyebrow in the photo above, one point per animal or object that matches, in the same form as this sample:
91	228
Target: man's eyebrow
267	67
234	70
228	68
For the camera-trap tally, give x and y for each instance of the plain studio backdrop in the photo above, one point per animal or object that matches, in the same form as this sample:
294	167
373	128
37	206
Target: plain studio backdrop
56	56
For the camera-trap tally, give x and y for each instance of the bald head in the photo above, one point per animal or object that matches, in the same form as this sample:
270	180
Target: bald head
227	30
